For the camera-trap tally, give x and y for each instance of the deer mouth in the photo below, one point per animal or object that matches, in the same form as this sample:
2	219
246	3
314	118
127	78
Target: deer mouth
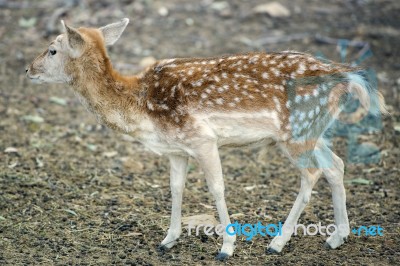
35	79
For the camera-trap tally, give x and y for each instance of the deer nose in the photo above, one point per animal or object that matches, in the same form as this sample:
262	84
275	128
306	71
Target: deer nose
26	70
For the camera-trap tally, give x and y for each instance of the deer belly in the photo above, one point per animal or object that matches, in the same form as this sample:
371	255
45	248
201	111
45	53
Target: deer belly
236	129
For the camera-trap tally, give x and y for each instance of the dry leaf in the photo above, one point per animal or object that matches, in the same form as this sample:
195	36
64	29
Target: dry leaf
201	219
133	234
110	154
70	212
57	100
13	165
207	206
237	215
132	165
33	118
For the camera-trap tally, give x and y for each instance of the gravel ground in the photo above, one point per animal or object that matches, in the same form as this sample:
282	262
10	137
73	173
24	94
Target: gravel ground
75	193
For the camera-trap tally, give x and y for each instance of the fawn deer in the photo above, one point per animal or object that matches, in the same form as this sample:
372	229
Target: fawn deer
191	107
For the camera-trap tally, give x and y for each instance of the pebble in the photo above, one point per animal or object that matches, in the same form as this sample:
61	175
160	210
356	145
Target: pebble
397	127
163	11
11	150
274	9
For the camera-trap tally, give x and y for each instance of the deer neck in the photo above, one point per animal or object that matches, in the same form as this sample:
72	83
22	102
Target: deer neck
112	97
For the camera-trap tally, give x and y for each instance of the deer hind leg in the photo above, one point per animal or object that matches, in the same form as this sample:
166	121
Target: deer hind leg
308	179
323	160
334	175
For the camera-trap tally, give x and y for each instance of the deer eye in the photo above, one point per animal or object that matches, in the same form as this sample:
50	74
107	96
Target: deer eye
52	51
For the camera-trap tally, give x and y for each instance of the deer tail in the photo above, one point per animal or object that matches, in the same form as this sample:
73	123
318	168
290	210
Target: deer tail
368	95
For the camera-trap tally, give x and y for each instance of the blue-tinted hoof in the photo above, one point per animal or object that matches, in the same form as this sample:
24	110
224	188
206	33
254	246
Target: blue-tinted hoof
272	251
327	246
222	256
162	249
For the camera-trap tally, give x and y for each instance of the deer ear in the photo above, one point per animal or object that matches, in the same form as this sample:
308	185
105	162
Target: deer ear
113	31
75	40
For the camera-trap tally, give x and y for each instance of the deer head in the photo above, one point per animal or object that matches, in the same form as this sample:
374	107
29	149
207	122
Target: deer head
76	53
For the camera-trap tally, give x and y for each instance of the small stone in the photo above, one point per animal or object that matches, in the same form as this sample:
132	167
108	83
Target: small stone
189	21
110	154
274	9
122	255
383	77
33	118
27	23
163	11
219	5
397	127
226	13
39	162
11	150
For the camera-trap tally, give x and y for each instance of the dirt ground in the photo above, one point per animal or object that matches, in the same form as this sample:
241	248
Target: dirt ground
73	192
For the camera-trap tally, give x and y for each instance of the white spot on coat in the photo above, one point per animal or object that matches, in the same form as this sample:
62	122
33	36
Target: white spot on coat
197	83
302	116
301	69
323	100
219	101
277	104
150	106
276	72
311	114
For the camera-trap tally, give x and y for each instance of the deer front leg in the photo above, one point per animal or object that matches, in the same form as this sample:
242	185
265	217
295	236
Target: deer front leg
208	157
178	173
